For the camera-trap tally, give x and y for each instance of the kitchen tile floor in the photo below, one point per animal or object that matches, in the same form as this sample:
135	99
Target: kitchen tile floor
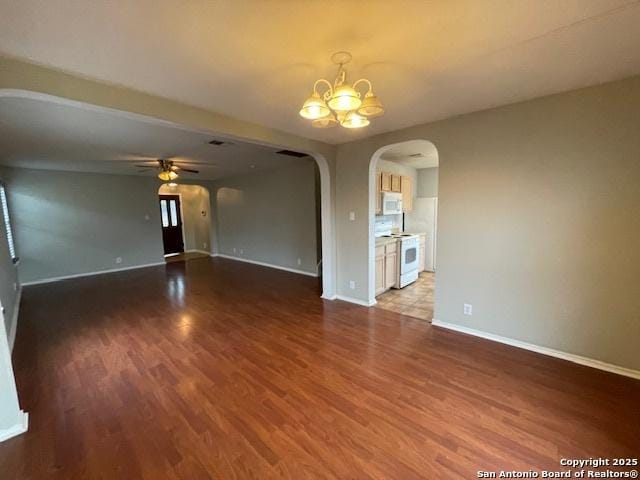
415	300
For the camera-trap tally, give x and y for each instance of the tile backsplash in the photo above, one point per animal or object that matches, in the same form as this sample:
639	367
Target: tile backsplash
394	220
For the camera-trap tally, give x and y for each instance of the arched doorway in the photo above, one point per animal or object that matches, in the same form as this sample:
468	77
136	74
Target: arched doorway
185	217
403	225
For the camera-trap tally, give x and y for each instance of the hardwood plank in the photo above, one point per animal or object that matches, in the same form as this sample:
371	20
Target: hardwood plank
209	368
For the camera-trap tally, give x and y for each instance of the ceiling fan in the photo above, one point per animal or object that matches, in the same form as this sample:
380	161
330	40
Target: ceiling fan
168	170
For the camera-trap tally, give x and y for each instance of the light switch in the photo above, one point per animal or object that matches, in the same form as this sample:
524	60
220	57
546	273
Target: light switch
352	216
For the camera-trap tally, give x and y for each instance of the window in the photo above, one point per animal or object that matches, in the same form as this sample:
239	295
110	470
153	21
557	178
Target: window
7	223
163	211
174	213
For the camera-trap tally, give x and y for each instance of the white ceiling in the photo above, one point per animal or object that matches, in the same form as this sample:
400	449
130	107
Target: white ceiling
44	135
406	153
257	60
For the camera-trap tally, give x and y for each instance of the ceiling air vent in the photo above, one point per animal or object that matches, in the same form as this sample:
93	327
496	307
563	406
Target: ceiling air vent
291	153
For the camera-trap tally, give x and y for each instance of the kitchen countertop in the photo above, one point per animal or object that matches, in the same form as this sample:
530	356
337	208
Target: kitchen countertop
384	240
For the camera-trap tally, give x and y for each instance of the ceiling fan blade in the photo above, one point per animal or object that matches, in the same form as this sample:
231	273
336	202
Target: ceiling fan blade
188	170
147	166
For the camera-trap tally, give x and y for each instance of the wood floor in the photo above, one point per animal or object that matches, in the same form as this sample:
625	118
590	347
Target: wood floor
218	369
184	256
415	300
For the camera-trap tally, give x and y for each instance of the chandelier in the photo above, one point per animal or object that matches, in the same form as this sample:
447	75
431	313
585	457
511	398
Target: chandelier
341	103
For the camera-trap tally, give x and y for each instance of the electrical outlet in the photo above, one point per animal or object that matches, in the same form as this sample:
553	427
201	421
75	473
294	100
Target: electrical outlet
352	284
204	245
15	287
241	251
234	249
467	309
146	217
118	259
299	261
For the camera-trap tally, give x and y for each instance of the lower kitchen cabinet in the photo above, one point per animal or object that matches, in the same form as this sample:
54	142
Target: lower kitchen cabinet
386	266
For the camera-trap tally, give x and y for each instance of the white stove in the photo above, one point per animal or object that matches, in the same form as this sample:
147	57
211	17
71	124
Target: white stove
408	247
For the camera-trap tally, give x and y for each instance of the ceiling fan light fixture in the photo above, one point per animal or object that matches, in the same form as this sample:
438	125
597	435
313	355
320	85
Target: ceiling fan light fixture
314	107
354	120
371	106
167	175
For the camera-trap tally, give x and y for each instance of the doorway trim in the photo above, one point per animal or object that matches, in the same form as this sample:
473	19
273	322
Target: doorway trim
373	166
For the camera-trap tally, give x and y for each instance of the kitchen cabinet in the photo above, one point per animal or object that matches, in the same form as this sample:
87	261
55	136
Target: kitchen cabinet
406	188
380	278
390	182
385	182
396	183
390	269
386	266
422	252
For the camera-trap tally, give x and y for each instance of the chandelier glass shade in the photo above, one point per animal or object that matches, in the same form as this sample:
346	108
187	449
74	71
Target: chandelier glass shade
341	103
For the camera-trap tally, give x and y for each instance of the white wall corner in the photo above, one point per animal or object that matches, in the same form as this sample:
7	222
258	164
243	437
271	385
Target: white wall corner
357	301
589	362
21	427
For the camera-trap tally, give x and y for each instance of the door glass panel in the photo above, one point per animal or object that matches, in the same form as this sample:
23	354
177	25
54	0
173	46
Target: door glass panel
163	213
174	213
411	255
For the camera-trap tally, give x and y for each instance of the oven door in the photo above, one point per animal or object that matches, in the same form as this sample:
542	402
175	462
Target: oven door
409	256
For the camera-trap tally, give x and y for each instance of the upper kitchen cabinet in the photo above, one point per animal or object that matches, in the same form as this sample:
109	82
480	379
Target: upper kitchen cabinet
406	187
385	182
396	183
390	182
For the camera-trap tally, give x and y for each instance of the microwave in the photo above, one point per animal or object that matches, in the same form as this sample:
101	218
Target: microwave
391	203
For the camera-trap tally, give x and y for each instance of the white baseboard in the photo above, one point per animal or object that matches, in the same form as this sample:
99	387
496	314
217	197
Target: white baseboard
198	251
90	274
263	264
357	301
16	430
589	362
14	320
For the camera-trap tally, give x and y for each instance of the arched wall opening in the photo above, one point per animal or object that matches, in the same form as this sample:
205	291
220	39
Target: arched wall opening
188	222
417	144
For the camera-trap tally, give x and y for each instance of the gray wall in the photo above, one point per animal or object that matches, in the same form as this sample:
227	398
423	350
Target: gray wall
71	223
197	228
427	182
538	222
270	216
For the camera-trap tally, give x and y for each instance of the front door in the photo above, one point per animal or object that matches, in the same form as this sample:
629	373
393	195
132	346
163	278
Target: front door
171	224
